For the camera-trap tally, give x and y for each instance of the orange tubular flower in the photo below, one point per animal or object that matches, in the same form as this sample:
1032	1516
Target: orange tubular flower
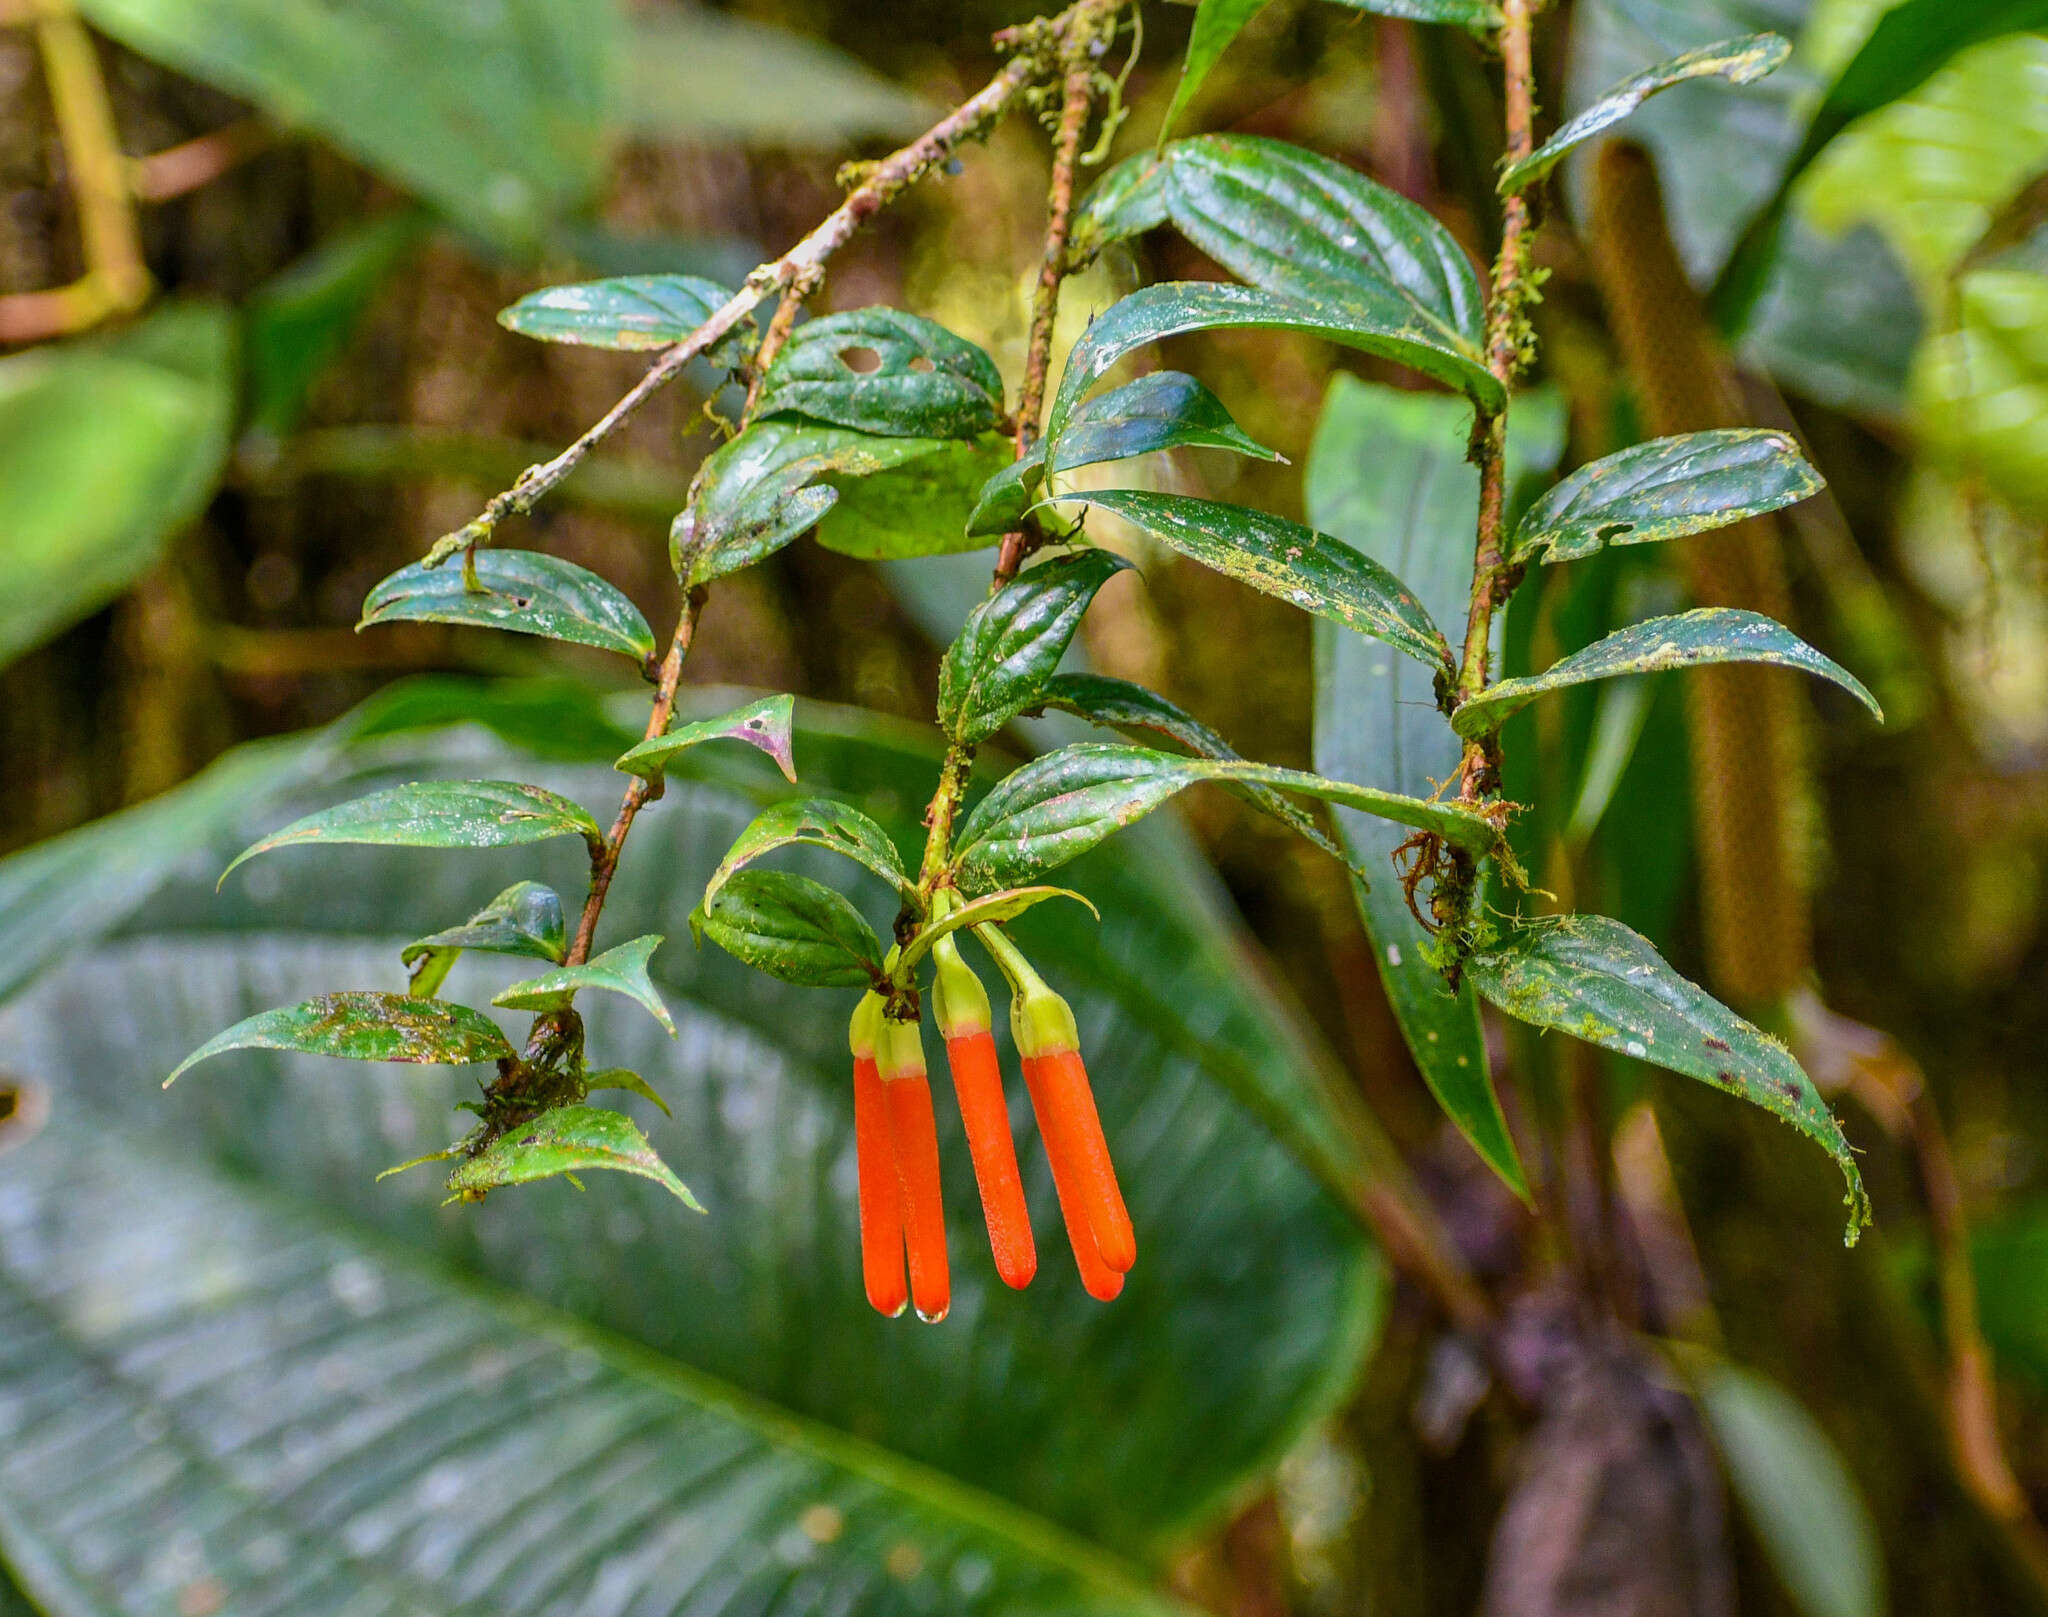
1098	1225
960	1006
900	1053
881	1202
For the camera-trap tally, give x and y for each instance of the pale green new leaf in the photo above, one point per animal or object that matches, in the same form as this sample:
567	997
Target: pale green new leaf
521	591
566	1140
764	723
620	970
524	920
1739	61
1595	979
364	1027
1307	569
1709	634
992	909
920	508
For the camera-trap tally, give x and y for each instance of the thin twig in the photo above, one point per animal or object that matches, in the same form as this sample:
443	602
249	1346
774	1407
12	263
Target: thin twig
174	171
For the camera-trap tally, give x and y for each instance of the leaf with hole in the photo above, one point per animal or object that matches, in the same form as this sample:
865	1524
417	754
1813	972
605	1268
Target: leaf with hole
1387	474
1307	569
1386	326
525	920
636	313
1011	643
1061	804
1708	634
764	724
1595	979
1739	61
439	814
364	1027
1118	704
519	590
1664	489
887	372
819	822
565	1140
620	970
766	487
795	929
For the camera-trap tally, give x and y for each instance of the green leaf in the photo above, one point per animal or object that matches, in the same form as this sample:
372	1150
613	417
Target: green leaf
1796	1491
1595	979
419	93
521	591
1165	410
1981	385
1302	226
525	920
1310	570
364	1027
300	320
764	724
713	78
438	814
795	929
1010	644
1063	803
818	822
566	1140
1665	489
1121	705
620	970
1387	327
1002	501
920	508
107	449
762	490
1710	634
562	1319
1387	474
637	313
1739	61
625	1078
1477	15
992	909
884	371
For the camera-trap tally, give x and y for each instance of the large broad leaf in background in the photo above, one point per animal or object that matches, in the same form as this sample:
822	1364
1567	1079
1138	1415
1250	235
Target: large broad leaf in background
1387	474
557	1397
107	448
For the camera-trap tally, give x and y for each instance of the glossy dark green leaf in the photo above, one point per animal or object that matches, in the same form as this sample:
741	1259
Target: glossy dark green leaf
1310	570
766	487
1387	326
301	319
1665	489
1595	979
764	723
107	449
716	77
620	970
524	920
884	371
364	1027
1388	474
1061	804
1739	61
1798	1494
1709	634
1165	410
795	929
568	1139
521	590
1003	499
417	92
247	1202
1010	644
637	313
819	822
1121	705
439	814
920	508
